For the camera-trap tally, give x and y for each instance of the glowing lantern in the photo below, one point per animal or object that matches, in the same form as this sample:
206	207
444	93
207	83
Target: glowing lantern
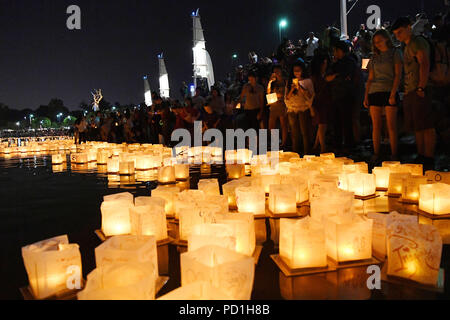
218	200
414	169
302	243
92	155
126	168
168	194
322	185
166	175
209	186
362	184
48	264
58	158
181	171
410	188
116	217
337	203
230	271
235	171
251	199
300	184
243	226
79	158
328	156
196	291
124	196
266	179
113	165
211	234
150	219
243	156
119	281
381	177
186	199
196	214
103	156
282	199
381	222
391	164
349	239
414	252
434	198
436	176
396	183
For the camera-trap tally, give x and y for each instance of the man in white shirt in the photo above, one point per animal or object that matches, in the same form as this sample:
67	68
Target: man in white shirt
313	44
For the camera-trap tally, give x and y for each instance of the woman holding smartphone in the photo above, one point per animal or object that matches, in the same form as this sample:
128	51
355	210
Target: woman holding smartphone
298	99
385	69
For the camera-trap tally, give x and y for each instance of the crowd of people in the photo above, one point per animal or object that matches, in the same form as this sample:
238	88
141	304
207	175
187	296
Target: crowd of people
314	91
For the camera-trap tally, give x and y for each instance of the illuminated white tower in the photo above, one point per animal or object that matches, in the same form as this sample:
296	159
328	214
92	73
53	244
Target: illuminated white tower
203	68
147	92
164	88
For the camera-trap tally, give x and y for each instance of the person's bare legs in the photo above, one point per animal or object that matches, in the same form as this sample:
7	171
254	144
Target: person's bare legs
284	129
391	119
375	113
321	133
429	138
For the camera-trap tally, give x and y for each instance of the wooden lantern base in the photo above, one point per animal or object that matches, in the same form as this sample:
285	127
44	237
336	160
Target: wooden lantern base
406	201
433	216
439	287
289	272
372	196
65	295
393	195
357	263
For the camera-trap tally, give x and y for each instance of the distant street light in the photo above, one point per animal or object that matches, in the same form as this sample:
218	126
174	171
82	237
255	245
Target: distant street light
18	124
235	56
282	25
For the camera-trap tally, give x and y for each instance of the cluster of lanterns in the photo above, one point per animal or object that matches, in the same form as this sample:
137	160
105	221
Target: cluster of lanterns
219	230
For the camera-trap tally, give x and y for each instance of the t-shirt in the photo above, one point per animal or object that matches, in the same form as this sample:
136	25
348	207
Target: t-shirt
253	96
298	100
412	67
313	44
383	66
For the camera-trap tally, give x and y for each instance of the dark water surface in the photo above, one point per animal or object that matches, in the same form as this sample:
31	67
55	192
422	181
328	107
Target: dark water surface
37	203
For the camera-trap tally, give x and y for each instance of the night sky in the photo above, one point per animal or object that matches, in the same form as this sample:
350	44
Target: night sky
119	41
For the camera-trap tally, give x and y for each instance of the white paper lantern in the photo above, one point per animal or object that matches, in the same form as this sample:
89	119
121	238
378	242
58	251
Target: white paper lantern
209	186
166	175
116	217
434	198
181	171
113	165
381	177
283	199
243	226
410	188
207	234
149	219
126	167
361	184
396	183
235	171
168	194
251	199
337	203
194	215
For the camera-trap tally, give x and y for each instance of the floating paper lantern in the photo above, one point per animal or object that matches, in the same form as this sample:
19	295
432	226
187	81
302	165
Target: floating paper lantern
410	188
251	199
116	217
390	164
361	184
322	185
48	264
181	171
434	198
328	155
126	168
129	248
166	175
168	194
103	156
413	168
381	177
349	239
302	243
243	226
149	219
209	186
300	184
230	271
266	179
235	171
92	155
58	158
79	158
414	252
124	196
196	291
282	199
436	176
113	165
119	281
336	203
207	234
396	183
195	214
381	223
243	156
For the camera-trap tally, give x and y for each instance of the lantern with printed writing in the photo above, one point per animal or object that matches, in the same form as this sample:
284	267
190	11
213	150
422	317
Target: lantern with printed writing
181	171
381	222
119	281
79	158
349	239
410	188
381	177
416	169
196	291
228	270
414	252
126	168
166	175
243	226
221	235
116	217
322	185
336	203
209	186
251	199
129	248
282	199
436	176
113	165
396	183
361	184
149	219
434	198
235	170
300	184
168	194
186	199
302	243
58	158
51	265
194	214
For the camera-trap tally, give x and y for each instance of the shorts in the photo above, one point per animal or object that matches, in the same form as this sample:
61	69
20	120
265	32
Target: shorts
418	111
381	99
